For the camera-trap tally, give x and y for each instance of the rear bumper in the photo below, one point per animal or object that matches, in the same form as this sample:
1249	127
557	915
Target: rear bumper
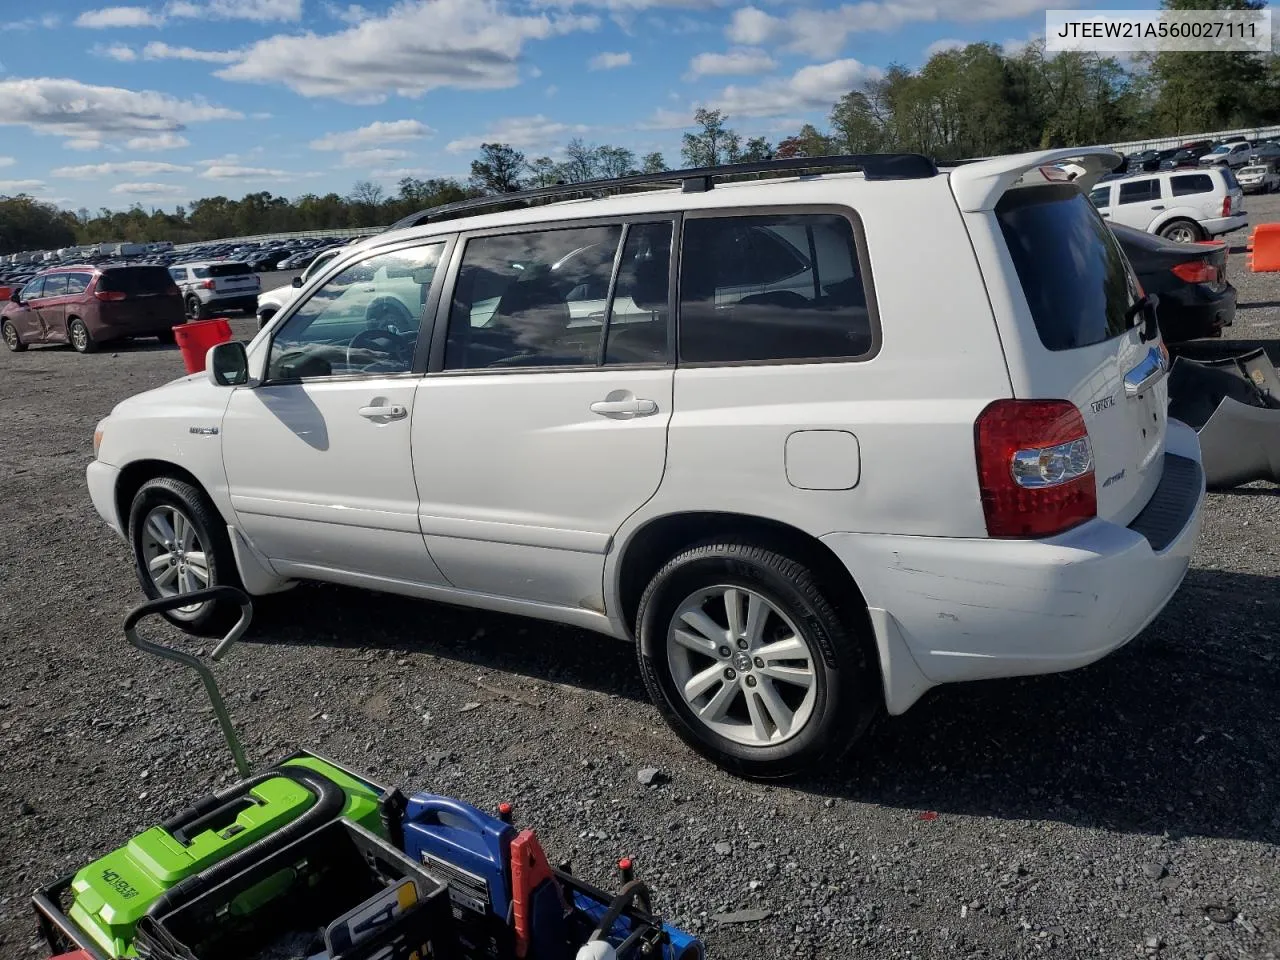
1196	310
1221	225
101	479
947	609
234	301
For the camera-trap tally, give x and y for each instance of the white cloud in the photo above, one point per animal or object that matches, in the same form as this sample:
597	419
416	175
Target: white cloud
351	13
943	45
371	158
83	112
417	46
84	143
399	173
221	171
142	168
118	17
744	61
378	132
149	189
631	6
7	161
809	88
116	51
609	61
522	132
664	119
822	33
163	141
163	51
259	10
10	187
49	21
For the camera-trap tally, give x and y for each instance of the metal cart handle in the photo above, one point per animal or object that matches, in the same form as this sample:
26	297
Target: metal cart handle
195	663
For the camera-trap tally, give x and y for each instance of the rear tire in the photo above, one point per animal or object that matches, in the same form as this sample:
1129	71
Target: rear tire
1183	231
11	338
783	686
180	544
195	308
78	334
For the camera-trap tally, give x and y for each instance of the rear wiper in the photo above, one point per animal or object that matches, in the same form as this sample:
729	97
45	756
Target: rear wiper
1147	306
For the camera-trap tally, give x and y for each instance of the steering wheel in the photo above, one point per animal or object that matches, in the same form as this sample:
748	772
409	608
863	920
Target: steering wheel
394	344
388	313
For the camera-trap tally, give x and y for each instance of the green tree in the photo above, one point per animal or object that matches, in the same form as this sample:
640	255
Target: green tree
713	144
545	172
854	125
615	162
498	169
653	163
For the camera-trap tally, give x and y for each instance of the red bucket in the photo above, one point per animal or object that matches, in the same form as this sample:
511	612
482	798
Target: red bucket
195	339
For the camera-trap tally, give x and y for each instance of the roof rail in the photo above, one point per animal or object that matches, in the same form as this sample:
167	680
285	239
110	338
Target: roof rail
875	166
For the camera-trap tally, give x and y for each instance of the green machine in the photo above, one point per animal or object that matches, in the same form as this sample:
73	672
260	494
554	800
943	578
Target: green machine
98	909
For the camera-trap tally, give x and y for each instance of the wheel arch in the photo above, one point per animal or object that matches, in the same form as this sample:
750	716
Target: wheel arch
137	473
661	538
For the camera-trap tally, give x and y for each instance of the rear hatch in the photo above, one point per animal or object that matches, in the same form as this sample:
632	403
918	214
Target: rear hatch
1233	206
1076	334
232	278
143	297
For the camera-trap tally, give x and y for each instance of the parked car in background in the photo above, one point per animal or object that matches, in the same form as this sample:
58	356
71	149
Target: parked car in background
209	288
274	300
1183	206
86	307
1259	177
1266	151
1190	279
1184	157
544	461
1229	154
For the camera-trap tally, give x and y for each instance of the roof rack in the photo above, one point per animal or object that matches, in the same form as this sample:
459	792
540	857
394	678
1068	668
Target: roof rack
875	166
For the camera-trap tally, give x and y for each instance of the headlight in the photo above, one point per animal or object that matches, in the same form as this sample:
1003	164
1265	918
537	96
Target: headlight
98	432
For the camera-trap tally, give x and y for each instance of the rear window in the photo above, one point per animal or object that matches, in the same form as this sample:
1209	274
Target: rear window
1191	183
1076	280
228	269
137	280
1230	177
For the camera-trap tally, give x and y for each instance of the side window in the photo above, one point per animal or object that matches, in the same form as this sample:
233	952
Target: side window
364	320
1191	183
767	288
34	290
1100	197
55	285
531	299
1139	191
78	282
179	274
638	322
317	265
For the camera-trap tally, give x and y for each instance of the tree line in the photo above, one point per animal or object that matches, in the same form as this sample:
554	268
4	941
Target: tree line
977	100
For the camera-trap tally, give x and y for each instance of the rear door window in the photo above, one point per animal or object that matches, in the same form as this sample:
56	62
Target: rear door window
1075	278
772	288
137	281
1191	183
1140	191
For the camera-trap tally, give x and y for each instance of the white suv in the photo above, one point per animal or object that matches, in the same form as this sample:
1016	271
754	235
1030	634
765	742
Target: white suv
209	288
817	443
1179	205
275	299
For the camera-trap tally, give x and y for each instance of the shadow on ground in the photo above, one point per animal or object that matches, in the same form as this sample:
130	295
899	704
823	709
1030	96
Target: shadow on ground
1177	733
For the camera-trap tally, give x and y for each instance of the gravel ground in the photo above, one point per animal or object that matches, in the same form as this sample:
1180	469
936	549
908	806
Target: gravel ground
1131	808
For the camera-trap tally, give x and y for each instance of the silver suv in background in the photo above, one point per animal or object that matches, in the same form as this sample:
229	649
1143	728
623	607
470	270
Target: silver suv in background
211	288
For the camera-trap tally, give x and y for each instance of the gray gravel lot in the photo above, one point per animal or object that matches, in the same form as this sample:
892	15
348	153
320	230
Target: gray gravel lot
1128	809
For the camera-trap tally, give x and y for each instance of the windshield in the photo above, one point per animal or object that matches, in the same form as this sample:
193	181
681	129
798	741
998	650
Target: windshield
1222	149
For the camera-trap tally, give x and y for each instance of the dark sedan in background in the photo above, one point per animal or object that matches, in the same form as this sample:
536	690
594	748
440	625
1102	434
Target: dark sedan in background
1189	278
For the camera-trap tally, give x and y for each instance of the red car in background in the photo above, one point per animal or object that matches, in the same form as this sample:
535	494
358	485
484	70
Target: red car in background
87	306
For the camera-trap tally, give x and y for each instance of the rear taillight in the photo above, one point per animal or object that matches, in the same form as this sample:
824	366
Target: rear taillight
1197	271
1035	468
1226	206
208	285
110	294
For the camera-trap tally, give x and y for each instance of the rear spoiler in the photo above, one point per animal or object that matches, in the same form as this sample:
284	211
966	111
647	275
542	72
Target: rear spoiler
979	186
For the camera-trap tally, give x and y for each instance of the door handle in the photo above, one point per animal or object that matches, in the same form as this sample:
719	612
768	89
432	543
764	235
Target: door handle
1157	206
395	411
624	409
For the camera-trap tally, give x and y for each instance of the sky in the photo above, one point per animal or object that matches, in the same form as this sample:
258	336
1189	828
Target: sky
162	102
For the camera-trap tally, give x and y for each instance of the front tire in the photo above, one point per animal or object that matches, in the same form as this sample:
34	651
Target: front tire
11	338
180	545
80	337
747	657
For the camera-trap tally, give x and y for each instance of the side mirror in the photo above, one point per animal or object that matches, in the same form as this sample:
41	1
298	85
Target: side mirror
16	296
228	364
297	281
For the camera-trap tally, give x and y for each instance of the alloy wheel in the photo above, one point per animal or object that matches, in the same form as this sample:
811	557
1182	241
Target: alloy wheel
741	666
1181	234
10	336
79	336
176	560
